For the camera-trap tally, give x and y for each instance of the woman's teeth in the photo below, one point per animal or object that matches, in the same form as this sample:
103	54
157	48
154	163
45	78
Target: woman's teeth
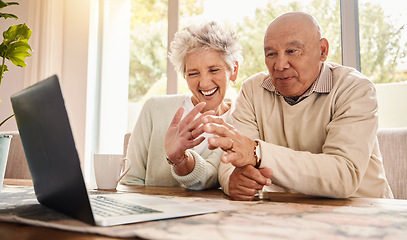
208	93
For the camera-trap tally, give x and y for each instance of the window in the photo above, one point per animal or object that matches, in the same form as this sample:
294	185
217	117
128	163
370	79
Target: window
148	50
383	56
383	40
248	18
381	43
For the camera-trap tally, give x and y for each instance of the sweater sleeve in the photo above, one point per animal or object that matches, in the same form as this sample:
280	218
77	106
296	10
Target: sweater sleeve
225	170
137	151
205	172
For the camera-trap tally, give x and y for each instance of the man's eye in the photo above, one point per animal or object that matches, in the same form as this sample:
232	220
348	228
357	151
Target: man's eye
291	51
214	70
271	54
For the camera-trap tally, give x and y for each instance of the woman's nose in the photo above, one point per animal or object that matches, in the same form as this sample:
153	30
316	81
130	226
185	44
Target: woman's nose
205	79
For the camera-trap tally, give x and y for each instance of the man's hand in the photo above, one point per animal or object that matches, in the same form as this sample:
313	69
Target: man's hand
246	181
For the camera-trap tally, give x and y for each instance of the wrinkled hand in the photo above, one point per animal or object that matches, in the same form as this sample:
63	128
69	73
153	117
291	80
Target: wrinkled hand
184	134
245	182
238	147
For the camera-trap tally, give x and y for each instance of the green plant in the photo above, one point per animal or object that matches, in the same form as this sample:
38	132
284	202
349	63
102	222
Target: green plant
15	45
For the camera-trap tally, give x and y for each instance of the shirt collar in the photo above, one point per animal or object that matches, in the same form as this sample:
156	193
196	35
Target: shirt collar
323	84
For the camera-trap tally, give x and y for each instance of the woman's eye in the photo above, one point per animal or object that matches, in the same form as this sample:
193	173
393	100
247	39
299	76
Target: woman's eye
192	74
214	70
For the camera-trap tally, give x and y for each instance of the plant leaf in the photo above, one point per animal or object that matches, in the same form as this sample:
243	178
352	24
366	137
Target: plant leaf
17	53
8	15
15	33
3	49
5	68
3	4
16	45
6	4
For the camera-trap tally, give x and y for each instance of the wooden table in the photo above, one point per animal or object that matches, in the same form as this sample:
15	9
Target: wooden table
17	231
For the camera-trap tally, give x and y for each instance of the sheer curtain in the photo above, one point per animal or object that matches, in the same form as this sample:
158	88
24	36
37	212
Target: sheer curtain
45	18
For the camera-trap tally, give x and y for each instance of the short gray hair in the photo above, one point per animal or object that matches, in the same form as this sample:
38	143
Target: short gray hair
211	36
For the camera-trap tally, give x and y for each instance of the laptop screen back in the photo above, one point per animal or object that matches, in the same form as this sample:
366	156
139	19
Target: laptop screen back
50	149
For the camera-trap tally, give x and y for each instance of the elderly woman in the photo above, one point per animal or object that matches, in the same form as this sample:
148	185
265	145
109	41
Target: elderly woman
167	146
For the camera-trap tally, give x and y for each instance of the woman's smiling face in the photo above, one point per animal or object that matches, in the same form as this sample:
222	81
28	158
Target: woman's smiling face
207	76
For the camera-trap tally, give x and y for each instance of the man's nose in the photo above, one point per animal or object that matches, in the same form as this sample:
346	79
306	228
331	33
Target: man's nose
281	63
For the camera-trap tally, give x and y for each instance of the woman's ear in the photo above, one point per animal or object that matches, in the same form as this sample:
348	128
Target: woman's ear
233	77
324	49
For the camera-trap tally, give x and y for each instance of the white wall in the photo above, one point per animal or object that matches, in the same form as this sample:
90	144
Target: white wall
75	67
70	38
73	59
392	104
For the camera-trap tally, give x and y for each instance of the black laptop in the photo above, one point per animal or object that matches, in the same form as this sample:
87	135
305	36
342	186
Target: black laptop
56	172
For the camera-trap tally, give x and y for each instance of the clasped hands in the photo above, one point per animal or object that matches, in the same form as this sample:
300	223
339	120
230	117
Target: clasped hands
245	180
185	133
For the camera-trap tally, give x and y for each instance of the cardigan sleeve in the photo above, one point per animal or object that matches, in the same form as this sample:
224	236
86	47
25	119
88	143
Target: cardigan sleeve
205	173
137	151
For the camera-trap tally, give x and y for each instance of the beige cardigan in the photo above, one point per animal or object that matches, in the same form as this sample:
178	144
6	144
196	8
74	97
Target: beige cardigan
325	145
147	155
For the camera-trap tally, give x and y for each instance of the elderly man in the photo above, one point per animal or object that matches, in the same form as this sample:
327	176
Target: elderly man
305	126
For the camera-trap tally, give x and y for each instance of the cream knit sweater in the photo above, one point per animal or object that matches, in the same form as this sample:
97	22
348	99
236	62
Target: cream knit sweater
147	155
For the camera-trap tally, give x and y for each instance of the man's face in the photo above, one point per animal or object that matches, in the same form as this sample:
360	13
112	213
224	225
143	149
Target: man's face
293	54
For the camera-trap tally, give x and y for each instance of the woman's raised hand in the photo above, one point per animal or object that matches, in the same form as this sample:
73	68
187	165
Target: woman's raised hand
183	134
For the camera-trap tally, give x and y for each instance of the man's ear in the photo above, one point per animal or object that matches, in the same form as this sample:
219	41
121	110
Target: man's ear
324	47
